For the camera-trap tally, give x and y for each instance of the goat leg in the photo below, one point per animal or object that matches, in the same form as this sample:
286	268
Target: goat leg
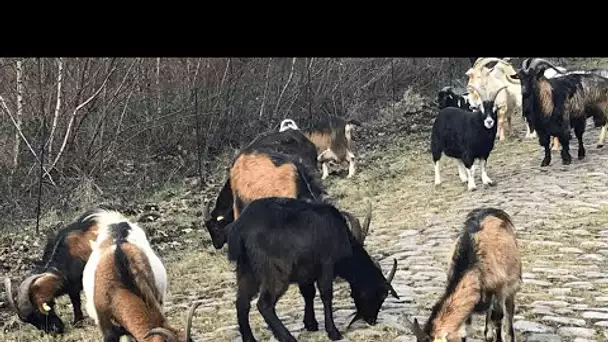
247	289
308	291
266	305
325	284
564	141
509	309
544	139
77	306
579	129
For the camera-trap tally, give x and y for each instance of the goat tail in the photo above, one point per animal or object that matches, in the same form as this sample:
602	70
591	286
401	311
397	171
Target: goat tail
134	271
236	244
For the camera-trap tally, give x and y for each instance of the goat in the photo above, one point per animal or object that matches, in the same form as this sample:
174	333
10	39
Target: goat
466	136
125	285
63	262
333	138
276	164
558	72
484	276
279	241
491	79
555	105
448	97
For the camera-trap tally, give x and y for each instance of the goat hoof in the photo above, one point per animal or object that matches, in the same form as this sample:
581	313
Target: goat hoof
544	163
566	161
311	326
334	335
600	145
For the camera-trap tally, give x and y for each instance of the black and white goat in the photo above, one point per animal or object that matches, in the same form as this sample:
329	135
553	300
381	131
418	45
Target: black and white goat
279	241
125	284
484	277
450	97
466	136
64	259
552	106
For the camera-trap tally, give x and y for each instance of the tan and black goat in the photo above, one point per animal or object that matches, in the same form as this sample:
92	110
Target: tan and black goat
63	262
125	284
332	137
484	277
279	164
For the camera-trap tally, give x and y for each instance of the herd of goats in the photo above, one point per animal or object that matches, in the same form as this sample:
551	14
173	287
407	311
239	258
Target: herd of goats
281	227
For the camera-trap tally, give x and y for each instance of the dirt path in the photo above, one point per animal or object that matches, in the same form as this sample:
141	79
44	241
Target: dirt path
561	215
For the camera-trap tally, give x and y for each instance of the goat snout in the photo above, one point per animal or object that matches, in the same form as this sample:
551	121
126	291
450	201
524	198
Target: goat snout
488	122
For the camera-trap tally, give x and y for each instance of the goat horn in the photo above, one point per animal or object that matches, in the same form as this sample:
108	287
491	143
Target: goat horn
538	61
24	304
207	210
480	63
169	335
390	277
368	220
189	319
9	293
498	92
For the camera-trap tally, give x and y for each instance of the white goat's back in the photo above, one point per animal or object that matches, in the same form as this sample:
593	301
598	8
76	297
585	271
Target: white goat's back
137	237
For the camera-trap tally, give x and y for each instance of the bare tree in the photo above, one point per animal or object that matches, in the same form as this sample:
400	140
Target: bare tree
18	114
57	105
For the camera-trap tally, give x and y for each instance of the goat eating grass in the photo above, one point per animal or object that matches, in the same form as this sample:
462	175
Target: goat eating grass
278	241
484	276
125	284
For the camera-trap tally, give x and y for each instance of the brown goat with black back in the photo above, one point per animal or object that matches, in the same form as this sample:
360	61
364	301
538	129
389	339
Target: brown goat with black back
125	285
63	262
332	137
553	105
484	277
278	164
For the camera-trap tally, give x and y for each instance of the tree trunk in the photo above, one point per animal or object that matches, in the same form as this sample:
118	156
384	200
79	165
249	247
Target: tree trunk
18	115
57	106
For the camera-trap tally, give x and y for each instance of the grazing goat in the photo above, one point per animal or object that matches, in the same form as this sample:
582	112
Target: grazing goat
276	164
555	105
125	285
448	97
279	241
490	80
333	138
64	259
484	276
466	136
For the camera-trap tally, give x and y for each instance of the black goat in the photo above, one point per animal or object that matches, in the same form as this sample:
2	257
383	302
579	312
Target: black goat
553	105
448	97
466	136
64	258
279	241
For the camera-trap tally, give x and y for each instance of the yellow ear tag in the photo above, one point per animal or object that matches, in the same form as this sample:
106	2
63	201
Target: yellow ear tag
46	307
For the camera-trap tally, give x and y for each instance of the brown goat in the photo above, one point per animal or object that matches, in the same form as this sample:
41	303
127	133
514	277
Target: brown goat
484	276
125	284
333	138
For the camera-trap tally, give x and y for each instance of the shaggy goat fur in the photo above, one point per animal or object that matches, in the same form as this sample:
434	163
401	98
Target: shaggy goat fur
279	241
63	262
555	105
332	137
465	136
125	284
484	276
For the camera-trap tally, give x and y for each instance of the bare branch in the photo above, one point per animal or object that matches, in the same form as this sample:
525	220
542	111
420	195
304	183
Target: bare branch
67	133
19	118
293	63
8	112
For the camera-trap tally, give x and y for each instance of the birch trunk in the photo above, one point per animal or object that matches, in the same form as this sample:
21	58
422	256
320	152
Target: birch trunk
158	111
18	115
57	106
293	63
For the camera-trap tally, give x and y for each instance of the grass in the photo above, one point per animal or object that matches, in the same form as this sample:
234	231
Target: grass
398	181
